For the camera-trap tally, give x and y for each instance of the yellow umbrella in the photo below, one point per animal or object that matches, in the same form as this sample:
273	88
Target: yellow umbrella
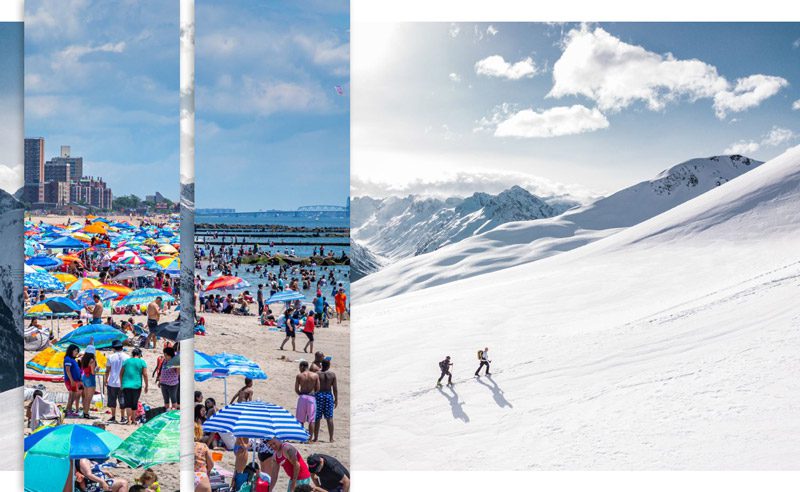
40	308
65	278
167	248
81	236
150	241
95	228
51	361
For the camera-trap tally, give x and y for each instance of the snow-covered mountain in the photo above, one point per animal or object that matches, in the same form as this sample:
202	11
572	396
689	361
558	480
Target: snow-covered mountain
362	261
11	307
402	227
515	243
673	344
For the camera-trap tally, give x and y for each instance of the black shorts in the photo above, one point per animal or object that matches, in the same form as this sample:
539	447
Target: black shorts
151	324
131	397
290	332
114	396
169	393
310	335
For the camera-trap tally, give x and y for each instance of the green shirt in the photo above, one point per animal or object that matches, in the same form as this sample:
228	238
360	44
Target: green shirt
133	373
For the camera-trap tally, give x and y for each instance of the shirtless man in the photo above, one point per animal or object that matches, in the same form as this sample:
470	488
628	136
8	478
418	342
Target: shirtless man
305	385
244	394
97	310
316	365
327	399
153	315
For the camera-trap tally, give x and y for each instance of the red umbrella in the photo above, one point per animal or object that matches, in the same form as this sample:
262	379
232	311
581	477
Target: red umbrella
227	282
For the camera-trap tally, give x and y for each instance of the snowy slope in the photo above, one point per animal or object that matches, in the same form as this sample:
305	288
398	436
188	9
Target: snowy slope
674	344
402	227
515	243
362	261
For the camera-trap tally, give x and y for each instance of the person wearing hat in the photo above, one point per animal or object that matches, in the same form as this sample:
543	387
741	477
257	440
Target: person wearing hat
445	366
328	474
113	384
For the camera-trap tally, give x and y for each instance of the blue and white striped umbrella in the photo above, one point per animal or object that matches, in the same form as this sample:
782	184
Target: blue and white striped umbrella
144	296
258	420
285	296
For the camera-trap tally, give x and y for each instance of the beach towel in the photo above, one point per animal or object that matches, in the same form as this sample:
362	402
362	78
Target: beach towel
43	412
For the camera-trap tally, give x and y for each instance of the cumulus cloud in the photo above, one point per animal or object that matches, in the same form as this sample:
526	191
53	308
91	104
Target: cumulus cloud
615	75
454	77
454	30
491	30
326	52
552	122
497	66
777	136
796	105
748	93
10	178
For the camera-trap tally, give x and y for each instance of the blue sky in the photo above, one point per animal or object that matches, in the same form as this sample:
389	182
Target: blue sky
10	106
102	77
564	108
272	132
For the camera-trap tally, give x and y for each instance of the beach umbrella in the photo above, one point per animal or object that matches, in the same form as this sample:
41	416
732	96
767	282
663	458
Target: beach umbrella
72	442
227	282
41	472
170	263
80	236
257	420
32	269
239	365
285	296
205	367
120	290
47	262
134	273
144	296
102	334
85	283
65	278
154	443
68	242
86	298
51	361
95	228
62	305
134	260
167	248
168	330
69	258
37	310
43	281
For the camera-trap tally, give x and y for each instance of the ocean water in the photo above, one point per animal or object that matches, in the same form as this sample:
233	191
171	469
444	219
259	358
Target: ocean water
276	219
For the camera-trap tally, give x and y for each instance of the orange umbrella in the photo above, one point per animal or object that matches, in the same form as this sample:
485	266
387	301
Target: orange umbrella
85	283
69	258
121	290
94	229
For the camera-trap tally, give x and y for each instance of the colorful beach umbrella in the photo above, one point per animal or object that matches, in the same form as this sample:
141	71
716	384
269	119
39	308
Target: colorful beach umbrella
257	420
155	443
65	278
51	361
85	283
73	441
86	298
102	335
285	296
239	365
43	281
120	290
62	305
227	282
144	296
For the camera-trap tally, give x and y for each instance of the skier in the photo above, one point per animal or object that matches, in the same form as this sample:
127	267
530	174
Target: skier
445	368
483	357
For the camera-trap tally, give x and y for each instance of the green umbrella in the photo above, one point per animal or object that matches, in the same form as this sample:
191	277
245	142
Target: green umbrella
154	443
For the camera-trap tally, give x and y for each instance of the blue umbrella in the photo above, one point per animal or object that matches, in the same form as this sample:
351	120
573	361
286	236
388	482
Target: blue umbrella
65	242
43	281
62	304
258	420
239	365
44	261
144	296
285	296
103	336
86	297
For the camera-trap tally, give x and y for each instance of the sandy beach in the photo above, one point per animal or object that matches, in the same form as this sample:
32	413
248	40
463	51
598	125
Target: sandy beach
243	335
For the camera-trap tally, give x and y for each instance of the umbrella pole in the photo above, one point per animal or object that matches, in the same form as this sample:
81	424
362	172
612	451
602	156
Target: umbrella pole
225	382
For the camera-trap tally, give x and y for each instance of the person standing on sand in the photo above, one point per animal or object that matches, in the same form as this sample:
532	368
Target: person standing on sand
97	310
113	366
327	399
308	330
445	366
483	357
260	298
306	384
244	394
341	305
290	329
153	315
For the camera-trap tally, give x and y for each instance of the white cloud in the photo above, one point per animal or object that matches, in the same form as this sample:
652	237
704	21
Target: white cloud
454	30
774	138
454	77
326	52
497	66
615	74
748	92
796	105
553	122
491	30
11	178
264	97
796	43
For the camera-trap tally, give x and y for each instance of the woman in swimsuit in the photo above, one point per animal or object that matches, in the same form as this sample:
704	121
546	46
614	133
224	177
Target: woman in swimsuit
203	466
